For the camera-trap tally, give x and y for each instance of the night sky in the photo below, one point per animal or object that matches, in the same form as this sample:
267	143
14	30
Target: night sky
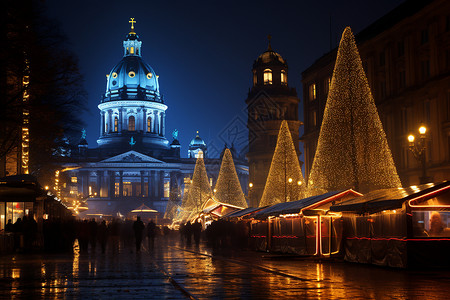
203	52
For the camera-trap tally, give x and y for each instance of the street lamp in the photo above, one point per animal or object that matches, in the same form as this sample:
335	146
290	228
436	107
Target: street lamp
418	148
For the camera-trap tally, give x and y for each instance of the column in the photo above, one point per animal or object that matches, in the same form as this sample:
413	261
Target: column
120	184
98	190
163	124
161	185
112	184
144	120
154	185
149	187
120	120
85	183
155	121
142	184
102	125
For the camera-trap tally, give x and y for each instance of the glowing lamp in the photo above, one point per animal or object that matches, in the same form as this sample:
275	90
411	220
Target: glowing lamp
411	138
290	180
299	182
422	130
250	184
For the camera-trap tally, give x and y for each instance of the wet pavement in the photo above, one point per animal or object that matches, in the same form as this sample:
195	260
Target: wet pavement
172	270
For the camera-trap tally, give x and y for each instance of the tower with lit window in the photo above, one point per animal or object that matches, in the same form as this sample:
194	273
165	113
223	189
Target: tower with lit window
132	109
269	102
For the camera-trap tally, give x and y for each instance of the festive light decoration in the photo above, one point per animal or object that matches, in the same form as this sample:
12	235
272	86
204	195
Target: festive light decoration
228	189
199	190
173	205
25	119
352	150
285	180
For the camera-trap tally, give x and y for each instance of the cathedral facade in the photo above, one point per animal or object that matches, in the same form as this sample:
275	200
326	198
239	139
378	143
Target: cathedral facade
134	163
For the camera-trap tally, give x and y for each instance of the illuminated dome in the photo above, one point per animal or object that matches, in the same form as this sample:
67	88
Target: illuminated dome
269	57
132	109
195	146
197	141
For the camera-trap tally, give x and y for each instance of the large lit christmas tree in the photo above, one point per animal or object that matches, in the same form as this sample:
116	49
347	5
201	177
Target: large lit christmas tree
199	189
285	180
352	150
228	189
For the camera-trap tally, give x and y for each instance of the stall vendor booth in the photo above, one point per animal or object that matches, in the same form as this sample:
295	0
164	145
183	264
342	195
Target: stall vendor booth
212	210
20	196
303	227
399	227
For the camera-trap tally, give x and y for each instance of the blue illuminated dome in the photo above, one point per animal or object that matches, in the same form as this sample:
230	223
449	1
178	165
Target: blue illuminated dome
197	144
132	106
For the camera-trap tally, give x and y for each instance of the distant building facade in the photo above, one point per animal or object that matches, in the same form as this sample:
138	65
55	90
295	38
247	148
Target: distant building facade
406	57
269	102
134	163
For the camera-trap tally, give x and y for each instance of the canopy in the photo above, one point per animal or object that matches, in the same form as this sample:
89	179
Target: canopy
20	188
387	199
143	209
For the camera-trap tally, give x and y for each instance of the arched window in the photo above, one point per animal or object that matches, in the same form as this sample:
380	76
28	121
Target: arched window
137	51
106	127
149	124
283	77
132	50
267	76
131	124
255	79
116	124
128	50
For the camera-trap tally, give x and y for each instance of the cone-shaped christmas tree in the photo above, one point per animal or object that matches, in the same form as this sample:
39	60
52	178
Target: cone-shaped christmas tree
352	150
228	189
199	190
173	205
285	180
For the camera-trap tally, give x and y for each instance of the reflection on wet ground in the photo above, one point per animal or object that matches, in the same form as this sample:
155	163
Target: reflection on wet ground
174	271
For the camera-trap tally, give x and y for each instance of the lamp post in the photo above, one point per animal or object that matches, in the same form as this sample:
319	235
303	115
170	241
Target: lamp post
418	148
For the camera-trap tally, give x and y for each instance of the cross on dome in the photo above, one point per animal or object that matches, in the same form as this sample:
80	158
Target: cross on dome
132	21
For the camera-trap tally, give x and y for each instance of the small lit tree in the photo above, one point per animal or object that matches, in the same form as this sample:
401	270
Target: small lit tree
285	180
228	188
173	205
199	189
352	150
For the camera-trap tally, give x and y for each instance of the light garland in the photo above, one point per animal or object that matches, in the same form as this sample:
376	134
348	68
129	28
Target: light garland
173	205
285	180
25	120
228	189
352	150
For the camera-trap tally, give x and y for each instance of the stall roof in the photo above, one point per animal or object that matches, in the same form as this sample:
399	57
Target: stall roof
296	206
387	199
244	212
19	188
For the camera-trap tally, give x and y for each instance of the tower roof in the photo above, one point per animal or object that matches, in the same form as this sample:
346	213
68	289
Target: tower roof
269	57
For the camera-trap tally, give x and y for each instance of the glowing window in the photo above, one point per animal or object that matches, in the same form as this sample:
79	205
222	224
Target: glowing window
116	124
114	75
267	76
131	74
74	179
255	79
131	124
149	124
283	77
132	50
166	187
312	92
149	75
106	127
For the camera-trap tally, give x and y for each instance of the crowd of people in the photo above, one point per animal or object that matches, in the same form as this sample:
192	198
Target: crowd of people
90	236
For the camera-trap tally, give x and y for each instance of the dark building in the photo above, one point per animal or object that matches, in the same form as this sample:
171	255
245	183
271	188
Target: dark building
406	57
269	101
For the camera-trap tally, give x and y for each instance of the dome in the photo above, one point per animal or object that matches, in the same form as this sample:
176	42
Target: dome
197	141
132	72
269	57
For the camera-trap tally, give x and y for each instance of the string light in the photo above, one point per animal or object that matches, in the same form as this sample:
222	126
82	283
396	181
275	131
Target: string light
25	120
173	206
228	189
352	150
284	173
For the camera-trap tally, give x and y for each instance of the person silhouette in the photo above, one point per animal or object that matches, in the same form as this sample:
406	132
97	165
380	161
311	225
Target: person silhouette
138	228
